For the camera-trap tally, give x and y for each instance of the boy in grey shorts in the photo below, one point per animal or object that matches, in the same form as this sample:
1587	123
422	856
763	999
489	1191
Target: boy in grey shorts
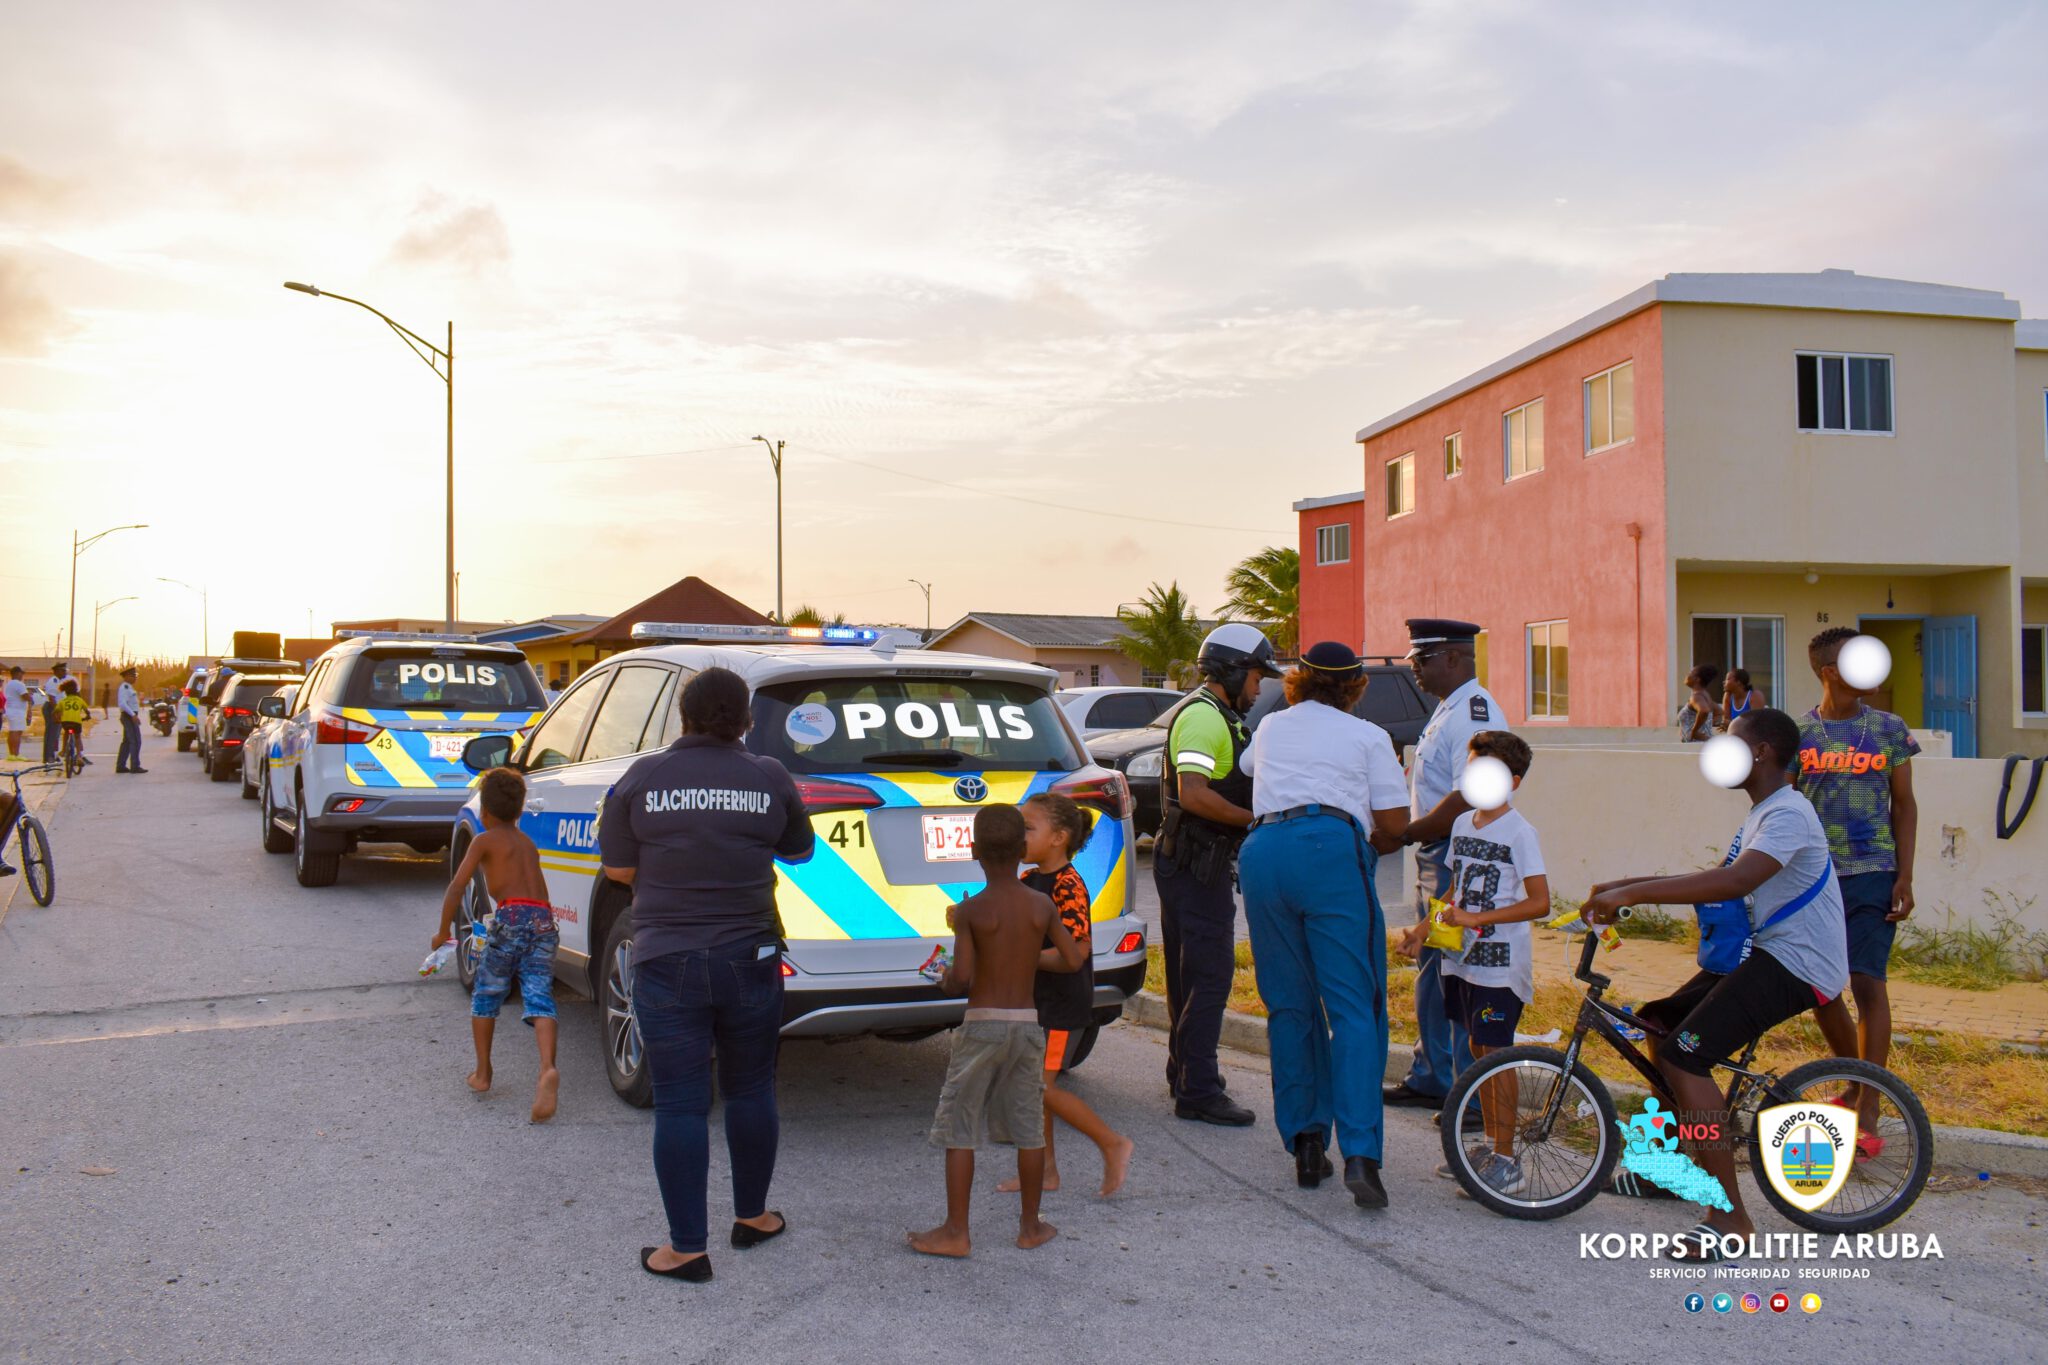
996	1078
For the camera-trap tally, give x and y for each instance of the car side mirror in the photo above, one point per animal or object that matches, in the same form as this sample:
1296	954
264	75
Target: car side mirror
273	707
486	752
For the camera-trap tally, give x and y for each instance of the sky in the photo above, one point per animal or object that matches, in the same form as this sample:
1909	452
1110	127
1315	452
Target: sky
1048	302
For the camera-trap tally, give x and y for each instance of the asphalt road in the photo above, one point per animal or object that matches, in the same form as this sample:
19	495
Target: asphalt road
233	1127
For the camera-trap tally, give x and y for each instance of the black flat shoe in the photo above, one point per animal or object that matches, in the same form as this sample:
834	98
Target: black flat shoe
1311	1163
696	1271
744	1236
1407	1096
1362	1178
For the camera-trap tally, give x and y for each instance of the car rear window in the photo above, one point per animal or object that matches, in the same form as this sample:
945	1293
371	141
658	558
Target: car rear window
839	725
249	691
442	679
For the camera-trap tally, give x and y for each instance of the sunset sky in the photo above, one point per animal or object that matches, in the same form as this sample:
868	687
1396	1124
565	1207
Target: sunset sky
1150	263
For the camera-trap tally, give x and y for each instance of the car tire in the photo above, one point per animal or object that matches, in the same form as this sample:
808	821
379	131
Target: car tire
248	787
1082	1046
275	840
476	899
184	744
219	771
625	1054
312	869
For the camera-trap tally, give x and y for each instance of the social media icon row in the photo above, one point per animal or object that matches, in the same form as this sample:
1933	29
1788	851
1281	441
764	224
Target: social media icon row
1780	1302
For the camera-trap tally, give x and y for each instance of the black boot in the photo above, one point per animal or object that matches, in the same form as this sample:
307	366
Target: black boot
1362	1178
1311	1164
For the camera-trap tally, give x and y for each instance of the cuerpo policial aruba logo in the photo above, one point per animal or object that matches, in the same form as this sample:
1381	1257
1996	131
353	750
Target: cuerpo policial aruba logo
971	789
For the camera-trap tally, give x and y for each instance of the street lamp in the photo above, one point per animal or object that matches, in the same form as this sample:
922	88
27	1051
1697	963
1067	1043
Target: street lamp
927	606
775	458
92	664
205	627
445	372
79	547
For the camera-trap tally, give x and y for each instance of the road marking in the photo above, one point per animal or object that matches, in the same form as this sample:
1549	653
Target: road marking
382	1000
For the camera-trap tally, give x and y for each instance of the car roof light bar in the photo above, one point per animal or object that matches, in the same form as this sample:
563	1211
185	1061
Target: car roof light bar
769	635
405	635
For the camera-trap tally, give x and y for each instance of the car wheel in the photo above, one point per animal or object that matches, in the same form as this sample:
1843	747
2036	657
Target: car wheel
248	787
625	1054
275	840
474	905
219	771
313	869
184	743
1083	1045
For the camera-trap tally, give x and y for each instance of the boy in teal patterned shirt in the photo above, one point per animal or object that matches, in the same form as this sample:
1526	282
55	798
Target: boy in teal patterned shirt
1854	766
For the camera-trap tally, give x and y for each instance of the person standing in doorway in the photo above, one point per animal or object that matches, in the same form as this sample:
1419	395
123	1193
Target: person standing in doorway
1738	698
1444	655
129	759
1206	795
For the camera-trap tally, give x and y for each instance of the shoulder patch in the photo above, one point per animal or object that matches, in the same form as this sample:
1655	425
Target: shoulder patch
1479	711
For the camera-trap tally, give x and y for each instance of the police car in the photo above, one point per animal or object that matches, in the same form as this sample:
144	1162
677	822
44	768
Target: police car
893	751
369	749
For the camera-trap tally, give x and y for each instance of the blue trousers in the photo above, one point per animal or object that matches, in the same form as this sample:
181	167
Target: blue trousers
1319	945
1442	1050
130	753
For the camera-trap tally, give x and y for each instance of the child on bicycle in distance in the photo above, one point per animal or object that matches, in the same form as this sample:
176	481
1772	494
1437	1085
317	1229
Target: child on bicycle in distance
72	713
1798	956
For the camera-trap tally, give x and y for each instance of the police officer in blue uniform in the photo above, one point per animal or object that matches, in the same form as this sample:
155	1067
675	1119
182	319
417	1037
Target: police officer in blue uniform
1443	655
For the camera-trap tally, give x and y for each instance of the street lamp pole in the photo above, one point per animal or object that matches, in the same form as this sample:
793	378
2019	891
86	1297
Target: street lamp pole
927	606
92	663
441	360
79	547
775	458
205	625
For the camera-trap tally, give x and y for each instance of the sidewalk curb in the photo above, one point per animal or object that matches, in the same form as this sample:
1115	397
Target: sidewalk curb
1985	1150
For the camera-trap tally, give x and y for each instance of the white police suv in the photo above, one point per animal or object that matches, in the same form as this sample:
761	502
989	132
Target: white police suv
369	750
893	751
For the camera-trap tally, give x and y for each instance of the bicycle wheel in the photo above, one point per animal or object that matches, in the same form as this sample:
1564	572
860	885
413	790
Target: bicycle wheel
1878	1188
1549	1174
35	861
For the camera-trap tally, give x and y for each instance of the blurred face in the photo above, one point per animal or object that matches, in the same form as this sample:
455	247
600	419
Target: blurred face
1744	729
1042	842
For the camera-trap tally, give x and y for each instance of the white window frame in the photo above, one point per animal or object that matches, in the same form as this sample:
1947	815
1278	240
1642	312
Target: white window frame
2042	631
1586	407
1848	401
1454	454
1529	668
1784	670
1323	539
1407	479
1507	441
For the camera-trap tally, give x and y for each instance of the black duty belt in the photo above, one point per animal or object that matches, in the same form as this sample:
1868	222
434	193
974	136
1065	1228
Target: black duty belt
1303	812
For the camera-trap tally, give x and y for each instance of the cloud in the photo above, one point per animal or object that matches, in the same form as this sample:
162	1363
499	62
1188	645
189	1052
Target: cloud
29	322
470	238
27	195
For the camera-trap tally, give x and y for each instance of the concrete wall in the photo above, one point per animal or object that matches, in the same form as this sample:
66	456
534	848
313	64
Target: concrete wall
2031	371
1603	814
1332	595
1547	546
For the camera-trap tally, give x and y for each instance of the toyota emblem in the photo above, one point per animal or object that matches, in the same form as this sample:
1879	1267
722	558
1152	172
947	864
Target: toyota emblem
971	789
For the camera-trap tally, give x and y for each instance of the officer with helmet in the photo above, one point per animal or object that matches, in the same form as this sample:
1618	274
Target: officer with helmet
1207	800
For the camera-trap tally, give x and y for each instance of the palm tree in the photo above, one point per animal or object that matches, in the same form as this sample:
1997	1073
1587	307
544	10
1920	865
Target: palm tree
1164	636
808	615
1266	591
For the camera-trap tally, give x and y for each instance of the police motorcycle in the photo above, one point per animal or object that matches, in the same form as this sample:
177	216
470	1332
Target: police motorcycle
162	716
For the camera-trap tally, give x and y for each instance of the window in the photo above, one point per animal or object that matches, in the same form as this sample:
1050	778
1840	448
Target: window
1147	678
2033	645
1124	711
1756	643
560	737
888	722
1333	543
669	711
622	720
1611	407
1521	440
439	678
1400	485
1095	675
1549	671
1454	454
1479	659
1844	392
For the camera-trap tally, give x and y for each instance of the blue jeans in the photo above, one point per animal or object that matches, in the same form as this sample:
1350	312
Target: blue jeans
1441	1049
690	1005
130	753
1319	946
521	947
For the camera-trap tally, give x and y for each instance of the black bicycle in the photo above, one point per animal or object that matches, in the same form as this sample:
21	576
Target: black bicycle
1564	1139
34	845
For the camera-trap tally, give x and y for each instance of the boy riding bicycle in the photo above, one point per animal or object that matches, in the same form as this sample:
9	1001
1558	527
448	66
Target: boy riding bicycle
1797	958
72	714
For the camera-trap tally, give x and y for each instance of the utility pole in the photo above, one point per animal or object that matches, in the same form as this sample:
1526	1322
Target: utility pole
79	547
775	458
927	589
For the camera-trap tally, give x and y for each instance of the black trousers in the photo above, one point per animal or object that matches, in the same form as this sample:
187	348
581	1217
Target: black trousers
1197	929
51	734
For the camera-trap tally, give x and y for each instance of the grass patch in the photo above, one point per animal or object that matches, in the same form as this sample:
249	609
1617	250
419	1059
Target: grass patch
1972	957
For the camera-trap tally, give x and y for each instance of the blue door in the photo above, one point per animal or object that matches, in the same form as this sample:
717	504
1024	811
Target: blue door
1949	652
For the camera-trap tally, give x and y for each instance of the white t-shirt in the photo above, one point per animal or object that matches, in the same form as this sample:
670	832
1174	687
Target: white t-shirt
1813	941
1488	870
16	694
1314	754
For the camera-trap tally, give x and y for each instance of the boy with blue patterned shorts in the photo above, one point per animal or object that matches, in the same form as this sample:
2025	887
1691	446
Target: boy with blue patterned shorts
522	938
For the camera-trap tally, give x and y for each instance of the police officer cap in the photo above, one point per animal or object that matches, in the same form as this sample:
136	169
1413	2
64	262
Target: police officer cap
128	672
1334	659
1427	631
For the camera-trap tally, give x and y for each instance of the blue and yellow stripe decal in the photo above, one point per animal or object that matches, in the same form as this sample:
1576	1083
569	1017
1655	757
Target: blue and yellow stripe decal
401	754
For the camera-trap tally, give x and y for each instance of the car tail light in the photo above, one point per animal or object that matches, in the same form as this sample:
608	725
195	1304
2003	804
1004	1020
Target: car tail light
350	806
331	727
787	970
1131	942
822	793
236	711
1107	793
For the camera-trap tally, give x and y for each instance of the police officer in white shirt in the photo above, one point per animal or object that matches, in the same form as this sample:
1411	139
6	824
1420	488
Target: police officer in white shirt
1321	777
1443	654
129	759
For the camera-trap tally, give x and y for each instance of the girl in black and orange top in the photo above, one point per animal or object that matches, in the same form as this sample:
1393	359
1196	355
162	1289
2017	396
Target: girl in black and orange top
1055	829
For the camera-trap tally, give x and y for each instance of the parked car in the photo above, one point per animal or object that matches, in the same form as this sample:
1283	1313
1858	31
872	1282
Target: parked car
893	752
1098	710
191	708
229	717
203	690
256	747
1392	701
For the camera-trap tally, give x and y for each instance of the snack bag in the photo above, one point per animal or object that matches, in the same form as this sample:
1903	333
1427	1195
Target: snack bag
1447	937
934	967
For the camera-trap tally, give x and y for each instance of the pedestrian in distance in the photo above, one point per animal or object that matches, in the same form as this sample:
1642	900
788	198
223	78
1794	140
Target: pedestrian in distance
1206	799
15	699
522	940
995	1083
1055	829
129	757
1696	715
1319	936
695	830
